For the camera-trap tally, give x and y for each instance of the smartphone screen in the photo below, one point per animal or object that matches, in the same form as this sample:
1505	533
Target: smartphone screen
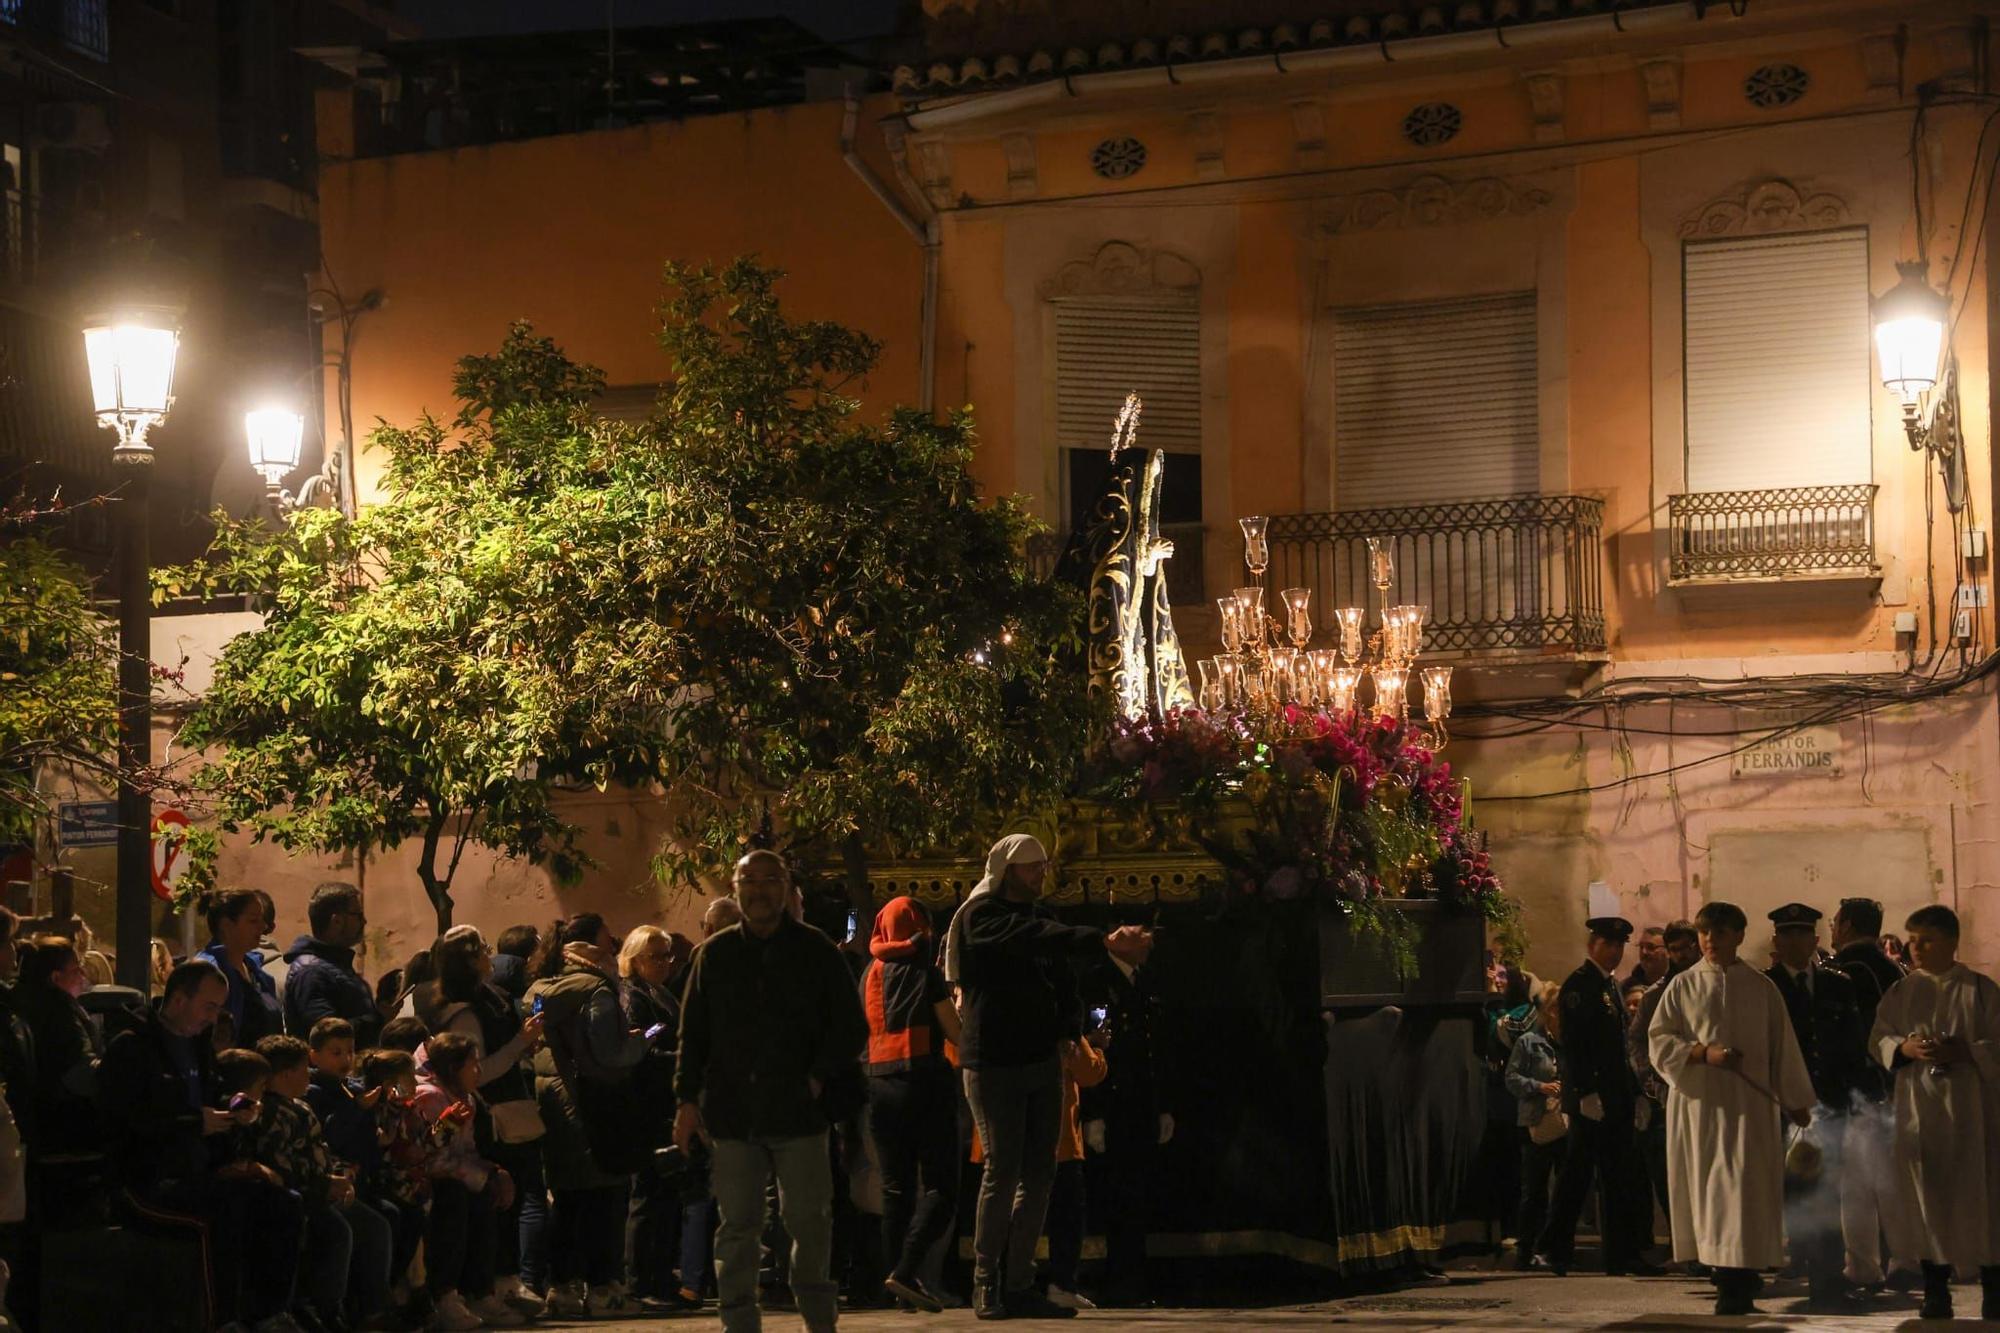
853	922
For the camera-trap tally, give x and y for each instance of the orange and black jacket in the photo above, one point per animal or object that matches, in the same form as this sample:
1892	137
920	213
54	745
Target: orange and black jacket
900	993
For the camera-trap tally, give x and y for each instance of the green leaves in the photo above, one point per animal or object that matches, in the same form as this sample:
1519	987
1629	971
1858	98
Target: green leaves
58	678
784	616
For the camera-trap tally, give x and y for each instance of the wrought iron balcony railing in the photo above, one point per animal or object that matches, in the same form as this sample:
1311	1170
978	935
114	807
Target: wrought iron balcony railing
1801	532
1518	574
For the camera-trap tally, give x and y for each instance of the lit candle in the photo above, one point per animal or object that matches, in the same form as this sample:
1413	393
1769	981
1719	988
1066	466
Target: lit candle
1250	610
1350	618
1231	613
1391	686
1437	693
1298	615
1256	550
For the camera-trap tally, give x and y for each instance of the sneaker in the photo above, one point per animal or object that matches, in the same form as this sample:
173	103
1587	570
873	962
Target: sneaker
911	1292
496	1312
1031	1304
1070	1300
517	1296
609	1301
566	1300
453	1316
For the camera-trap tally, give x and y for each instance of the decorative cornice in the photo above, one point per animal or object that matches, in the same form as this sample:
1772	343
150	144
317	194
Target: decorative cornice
1771	205
1118	268
1432	201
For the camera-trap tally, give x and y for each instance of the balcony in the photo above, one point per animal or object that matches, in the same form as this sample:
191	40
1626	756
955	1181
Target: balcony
83	26
1518	576
1799	533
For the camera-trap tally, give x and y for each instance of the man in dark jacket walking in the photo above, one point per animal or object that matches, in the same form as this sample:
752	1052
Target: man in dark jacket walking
769	1023
321	981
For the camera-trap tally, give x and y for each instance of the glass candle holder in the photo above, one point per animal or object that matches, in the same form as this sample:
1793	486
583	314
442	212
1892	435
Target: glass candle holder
1250	612
1391	691
1229	677
1210	697
1298	615
1381	563
1437	693
1230	621
1344	688
1256	549
1350	618
1321	663
1418	616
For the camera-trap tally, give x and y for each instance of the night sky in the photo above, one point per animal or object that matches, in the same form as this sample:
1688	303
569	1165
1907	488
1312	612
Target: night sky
833	20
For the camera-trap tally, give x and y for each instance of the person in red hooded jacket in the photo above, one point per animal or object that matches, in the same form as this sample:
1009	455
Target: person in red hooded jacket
912	1092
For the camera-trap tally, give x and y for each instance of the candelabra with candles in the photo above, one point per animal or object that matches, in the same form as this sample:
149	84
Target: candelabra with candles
1266	664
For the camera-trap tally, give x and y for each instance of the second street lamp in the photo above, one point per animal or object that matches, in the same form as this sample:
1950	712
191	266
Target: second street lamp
131	352
276	436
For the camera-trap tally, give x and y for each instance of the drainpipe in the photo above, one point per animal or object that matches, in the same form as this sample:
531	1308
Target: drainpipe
924	231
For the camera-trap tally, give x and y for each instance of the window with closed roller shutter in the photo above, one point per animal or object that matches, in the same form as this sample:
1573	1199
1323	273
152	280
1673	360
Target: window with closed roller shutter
1777	361
1435	401
1107	347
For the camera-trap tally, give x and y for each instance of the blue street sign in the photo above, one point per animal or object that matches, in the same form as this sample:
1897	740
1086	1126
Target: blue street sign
87	823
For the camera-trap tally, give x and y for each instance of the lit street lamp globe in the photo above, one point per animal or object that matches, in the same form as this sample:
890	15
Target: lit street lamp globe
1909	332
131	354
275	436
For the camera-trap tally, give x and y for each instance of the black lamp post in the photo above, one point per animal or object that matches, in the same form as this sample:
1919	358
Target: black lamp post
131	353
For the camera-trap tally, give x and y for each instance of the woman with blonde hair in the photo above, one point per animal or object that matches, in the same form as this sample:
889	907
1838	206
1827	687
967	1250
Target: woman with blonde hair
647	962
1534	1076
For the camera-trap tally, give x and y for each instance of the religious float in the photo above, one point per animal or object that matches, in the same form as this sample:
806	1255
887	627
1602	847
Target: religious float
1319	897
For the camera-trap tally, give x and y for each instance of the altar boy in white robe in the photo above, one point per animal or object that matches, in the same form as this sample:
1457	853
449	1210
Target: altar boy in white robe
1723	1042
1939	1030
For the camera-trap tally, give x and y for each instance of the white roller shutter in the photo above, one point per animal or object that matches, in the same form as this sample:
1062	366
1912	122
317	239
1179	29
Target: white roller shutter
1777	373
1435	402
1109	346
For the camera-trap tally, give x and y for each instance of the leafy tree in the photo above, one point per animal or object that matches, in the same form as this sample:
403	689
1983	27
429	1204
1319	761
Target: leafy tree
873	665
805	628
433	668
58	680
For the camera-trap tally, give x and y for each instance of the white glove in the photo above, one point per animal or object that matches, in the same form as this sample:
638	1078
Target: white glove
1093	1135
1591	1107
1166	1128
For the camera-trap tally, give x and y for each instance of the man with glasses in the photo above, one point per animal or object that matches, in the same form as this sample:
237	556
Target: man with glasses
320	981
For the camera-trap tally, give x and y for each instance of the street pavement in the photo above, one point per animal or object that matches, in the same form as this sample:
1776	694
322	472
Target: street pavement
1477	1297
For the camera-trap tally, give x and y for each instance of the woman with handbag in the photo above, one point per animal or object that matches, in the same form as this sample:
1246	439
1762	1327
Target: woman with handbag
600	1133
1534	1076
461	998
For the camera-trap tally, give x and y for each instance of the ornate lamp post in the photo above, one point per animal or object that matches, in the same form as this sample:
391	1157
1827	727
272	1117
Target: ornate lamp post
131	352
1913	344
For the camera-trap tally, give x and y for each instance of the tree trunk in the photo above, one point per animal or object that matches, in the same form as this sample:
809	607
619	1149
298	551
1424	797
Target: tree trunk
437	890
854	863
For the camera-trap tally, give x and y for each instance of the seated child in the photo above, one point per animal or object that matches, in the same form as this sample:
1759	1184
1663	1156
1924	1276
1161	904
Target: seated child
347	1118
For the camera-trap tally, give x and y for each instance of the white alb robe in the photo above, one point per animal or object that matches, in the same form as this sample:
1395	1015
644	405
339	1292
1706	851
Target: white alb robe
1946	1154
1725	1132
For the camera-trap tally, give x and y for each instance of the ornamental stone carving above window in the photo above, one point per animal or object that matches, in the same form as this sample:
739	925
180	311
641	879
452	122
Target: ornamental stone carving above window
1115	159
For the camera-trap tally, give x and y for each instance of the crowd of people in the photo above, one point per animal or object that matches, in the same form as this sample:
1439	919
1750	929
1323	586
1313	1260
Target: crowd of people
566	1123
1834	1115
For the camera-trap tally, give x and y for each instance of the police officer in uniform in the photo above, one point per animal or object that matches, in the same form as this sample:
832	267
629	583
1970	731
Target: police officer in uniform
1825	1009
1600	1098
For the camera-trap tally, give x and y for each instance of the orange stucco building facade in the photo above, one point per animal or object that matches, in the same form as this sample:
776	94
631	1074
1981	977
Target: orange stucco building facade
1599	190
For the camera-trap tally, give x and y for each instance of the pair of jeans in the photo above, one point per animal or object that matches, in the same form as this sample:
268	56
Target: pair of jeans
652	1233
1068	1216
374	1233
459	1251
913	1119
698	1245
1538	1164
587	1235
742	1169
511	1228
1018	1111
324	1263
407	1222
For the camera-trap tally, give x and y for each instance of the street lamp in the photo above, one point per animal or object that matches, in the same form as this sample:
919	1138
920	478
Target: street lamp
131	352
1912	345
276	436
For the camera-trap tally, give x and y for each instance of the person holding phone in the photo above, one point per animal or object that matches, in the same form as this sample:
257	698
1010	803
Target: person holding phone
1019	1005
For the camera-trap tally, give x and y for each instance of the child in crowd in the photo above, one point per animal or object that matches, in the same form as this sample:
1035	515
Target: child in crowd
466	1191
402	1174
347	1116
241	1077
289	1141
404	1034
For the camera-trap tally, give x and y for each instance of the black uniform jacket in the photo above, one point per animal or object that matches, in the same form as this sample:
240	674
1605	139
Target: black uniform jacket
1831	1034
1593	1043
